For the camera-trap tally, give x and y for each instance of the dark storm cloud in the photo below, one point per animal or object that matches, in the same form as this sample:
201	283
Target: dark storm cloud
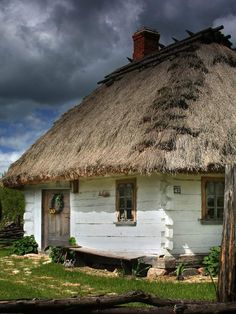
172	17
53	52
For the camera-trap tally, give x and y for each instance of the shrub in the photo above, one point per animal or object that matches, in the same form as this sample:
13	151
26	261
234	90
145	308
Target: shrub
25	245
12	206
60	254
212	261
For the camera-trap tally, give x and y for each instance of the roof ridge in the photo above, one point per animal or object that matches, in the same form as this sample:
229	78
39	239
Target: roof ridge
207	35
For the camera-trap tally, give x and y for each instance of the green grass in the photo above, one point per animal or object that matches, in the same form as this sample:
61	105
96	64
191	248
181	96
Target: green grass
26	278
5	251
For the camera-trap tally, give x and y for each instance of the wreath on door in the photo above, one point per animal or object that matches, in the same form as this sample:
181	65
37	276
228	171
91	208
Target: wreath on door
57	203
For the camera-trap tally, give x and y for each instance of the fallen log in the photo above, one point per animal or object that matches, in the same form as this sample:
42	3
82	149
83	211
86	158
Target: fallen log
177	308
38	306
112	305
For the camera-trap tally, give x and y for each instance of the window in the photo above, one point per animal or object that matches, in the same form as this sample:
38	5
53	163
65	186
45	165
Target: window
126	201
212	198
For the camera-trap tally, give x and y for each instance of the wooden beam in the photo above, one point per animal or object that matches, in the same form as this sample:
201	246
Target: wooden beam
74	186
189	32
226	291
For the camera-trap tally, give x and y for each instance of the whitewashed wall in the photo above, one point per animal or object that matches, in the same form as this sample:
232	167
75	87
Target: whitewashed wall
164	220
94	217
190	236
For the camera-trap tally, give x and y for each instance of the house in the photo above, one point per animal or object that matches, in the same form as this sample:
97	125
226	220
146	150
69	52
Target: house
138	166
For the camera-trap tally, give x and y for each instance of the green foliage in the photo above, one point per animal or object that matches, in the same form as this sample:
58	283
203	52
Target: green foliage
12	206
179	271
60	254
72	241
212	261
140	269
25	245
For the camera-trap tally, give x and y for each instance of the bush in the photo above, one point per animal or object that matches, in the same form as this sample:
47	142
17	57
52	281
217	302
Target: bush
212	261
60	254
25	245
12	203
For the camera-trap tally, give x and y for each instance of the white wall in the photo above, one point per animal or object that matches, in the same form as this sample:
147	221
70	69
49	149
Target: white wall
190	236
94	217
164	220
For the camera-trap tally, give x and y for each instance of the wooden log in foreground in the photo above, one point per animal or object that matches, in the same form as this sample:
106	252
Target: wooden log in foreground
110	304
189	309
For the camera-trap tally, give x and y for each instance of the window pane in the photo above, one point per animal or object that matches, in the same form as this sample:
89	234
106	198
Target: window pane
210	213
219	188
220	212
121	189
128	190
129	203
210	201
129	214
122	214
220	201
210	188
125	201
122	203
214	199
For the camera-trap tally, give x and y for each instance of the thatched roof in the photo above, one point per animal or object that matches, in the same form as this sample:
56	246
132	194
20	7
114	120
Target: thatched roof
173	111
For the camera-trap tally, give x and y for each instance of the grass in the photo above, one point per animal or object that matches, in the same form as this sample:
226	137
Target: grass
28	278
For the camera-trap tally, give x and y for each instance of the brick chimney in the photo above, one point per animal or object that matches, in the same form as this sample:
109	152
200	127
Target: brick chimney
146	41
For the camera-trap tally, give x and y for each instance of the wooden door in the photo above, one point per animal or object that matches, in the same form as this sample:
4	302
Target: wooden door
56	226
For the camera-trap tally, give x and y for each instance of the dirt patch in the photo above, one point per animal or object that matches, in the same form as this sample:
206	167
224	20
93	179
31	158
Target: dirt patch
96	272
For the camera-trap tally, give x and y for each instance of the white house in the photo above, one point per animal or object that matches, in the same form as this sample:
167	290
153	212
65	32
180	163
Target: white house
138	166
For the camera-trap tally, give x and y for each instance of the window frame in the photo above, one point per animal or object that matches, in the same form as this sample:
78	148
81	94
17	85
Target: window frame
132	222
204	181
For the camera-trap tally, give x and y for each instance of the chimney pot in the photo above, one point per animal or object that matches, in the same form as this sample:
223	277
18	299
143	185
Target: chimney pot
146	41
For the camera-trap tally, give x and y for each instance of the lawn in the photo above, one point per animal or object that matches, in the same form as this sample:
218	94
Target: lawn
37	278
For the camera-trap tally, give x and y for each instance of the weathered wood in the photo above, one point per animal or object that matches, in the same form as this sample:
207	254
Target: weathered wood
10	234
179	308
56	227
110	304
134	310
226	291
37	306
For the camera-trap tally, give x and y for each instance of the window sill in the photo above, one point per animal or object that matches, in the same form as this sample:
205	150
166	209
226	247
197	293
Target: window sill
211	221
125	223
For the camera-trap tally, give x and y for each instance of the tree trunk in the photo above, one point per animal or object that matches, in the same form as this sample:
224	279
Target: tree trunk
226	291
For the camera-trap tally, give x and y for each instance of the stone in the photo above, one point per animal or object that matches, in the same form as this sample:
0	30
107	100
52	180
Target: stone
190	272
155	273
201	271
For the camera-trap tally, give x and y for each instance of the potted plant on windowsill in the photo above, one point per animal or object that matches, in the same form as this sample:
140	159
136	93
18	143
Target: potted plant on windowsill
73	243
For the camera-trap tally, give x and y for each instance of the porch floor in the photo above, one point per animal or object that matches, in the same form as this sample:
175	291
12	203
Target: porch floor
128	256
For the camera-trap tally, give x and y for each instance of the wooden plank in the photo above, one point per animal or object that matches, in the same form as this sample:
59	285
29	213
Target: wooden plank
116	255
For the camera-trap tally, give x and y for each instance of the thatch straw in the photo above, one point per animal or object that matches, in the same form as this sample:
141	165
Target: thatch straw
178	115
